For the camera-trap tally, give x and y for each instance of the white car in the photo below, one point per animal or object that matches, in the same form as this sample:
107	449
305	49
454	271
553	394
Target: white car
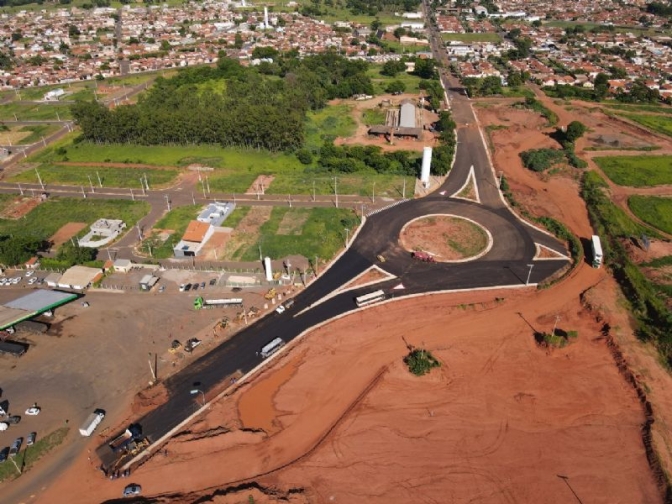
280	309
32	281
33	410
3	281
182	287
16	280
29	273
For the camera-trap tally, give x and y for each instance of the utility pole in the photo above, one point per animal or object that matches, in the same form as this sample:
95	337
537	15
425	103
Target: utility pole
91	184
146	182
151	368
529	274
142	185
193	200
168	202
315	268
501	174
203	187
403	190
347	237
336	190
132	195
83	193
20	190
555	326
207	182
289	198
44	142
39	179
373	193
313	190
139	232
100	182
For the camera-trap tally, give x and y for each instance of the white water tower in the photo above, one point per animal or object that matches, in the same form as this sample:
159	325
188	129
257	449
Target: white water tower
426	164
269	270
266	24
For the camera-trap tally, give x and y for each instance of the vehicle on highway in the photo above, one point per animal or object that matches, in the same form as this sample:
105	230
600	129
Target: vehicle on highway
16	446
30	440
91	422
33	410
213	282
132	489
289	304
419	255
182	287
187	287
280	309
367	299
272	347
4	453
283	307
380	258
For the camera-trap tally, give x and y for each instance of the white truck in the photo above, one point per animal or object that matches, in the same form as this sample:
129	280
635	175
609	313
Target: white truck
91	423
596	246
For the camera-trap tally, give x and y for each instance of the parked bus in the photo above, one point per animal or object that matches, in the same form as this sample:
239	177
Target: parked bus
272	347
371	298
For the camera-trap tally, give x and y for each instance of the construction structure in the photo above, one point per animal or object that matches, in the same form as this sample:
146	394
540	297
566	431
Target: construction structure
401	122
31	305
426	165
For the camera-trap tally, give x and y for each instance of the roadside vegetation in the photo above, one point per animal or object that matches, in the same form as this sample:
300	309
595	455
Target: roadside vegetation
658	123
540	160
29	455
657	212
421	361
534	104
647	300
637	171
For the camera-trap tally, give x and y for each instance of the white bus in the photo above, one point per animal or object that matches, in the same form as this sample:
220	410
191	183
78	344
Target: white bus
371	298
272	347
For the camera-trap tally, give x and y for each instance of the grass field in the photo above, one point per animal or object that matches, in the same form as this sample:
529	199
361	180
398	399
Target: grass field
637	171
627	107
329	123
659	123
657	212
34	112
37	131
43	221
361	184
374	116
31	454
471	37
321	234
110	177
380	82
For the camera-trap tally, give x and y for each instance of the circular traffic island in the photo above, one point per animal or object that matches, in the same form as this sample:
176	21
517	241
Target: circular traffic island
445	238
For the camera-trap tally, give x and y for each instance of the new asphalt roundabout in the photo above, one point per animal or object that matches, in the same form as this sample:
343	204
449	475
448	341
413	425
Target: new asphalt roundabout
511	260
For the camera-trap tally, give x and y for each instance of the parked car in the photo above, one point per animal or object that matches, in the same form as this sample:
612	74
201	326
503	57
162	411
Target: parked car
289	304
183	287
4	453
162	288
236	289
30	440
13	420
202	285
187	287
29	273
194	287
32	281
132	489
16	446
280	309
213	282
33	410
191	344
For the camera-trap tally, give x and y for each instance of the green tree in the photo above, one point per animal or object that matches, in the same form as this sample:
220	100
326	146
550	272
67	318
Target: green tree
575	130
392	68
395	86
17	249
238	41
71	254
425	68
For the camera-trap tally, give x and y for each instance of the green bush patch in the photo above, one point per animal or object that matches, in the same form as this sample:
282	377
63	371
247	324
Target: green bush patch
420	361
540	160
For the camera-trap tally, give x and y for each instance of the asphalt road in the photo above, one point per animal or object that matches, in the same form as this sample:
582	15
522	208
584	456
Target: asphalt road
507	263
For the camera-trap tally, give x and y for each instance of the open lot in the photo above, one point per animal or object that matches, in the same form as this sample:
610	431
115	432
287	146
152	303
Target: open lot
656	212
471	37
658	123
48	217
35	111
110	176
637	171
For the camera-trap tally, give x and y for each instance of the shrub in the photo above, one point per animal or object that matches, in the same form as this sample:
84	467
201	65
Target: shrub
540	160
304	156
421	362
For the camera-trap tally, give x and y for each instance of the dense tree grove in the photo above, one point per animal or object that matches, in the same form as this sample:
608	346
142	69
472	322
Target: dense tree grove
17	249
344	159
253	112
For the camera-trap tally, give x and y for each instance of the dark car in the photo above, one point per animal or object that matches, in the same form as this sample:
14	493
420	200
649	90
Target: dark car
30	440
16	446
194	287
202	285
3	454
213	281
14	419
236	289
132	489
187	287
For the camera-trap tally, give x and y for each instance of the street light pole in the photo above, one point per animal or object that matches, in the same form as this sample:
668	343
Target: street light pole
529	274
100	182
336	190
373	193
168	201
347	237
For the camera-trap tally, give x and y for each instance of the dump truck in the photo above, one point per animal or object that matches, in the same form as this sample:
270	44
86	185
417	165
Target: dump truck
419	255
91	423
123	440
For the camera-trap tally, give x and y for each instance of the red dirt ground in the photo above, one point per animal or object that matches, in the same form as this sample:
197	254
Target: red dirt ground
446	238
19	207
66	232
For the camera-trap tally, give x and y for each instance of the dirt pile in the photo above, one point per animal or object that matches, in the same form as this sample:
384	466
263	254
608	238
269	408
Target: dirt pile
149	399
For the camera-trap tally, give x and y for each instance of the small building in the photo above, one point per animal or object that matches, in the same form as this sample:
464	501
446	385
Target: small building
102	232
216	213
147	282
33	263
407	114
196	235
52	279
123	265
79	277
54	94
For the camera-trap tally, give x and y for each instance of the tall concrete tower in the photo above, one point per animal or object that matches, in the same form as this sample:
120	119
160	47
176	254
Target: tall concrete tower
266	25
268	268
426	164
